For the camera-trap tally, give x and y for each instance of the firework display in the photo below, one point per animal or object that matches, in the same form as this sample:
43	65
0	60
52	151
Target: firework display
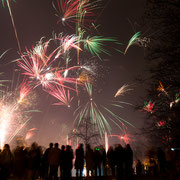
60	66
15	112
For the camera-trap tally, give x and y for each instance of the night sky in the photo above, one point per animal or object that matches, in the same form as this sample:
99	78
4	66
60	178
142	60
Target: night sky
35	19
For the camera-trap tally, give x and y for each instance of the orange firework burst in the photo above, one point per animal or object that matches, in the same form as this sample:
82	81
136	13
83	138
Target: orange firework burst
161	89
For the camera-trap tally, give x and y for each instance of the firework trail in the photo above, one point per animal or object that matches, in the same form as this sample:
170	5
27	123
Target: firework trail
176	100
136	39
123	90
13	23
3	53
106	142
132	41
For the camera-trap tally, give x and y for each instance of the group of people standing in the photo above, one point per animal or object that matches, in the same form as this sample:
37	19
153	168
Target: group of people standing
33	162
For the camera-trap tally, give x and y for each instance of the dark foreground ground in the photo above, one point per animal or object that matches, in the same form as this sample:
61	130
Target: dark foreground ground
143	177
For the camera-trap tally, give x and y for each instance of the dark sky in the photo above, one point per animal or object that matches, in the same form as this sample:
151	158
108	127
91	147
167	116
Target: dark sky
36	18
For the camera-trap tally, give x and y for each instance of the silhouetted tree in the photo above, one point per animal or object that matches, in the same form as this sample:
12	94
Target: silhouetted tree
87	132
162	56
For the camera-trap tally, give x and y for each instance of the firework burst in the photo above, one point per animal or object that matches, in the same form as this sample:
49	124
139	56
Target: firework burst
24	90
99	114
13	115
74	11
162	89
62	95
149	106
95	45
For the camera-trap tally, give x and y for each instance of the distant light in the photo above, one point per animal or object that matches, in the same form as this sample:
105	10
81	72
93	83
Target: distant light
91	99
172	149
69	106
63	19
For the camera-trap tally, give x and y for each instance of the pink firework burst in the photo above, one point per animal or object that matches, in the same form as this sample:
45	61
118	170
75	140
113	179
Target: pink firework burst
25	89
127	138
68	42
74	11
37	65
61	94
149	106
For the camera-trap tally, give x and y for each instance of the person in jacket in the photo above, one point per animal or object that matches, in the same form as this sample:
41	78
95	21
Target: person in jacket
79	161
54	156
6	162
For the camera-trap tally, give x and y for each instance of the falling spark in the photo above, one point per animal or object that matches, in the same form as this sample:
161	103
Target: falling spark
123	90
132	41
176	101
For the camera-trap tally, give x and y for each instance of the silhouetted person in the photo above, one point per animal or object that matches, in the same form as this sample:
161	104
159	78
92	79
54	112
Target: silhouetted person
119	160
19	163
97	161
138	168
45	161
89	160
111	160
161	160
68	162
34	158
62	162
54	156
103	159
153	167
6	162
128	162
79	161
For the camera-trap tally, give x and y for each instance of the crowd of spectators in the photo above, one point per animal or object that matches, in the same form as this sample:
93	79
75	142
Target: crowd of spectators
32	162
